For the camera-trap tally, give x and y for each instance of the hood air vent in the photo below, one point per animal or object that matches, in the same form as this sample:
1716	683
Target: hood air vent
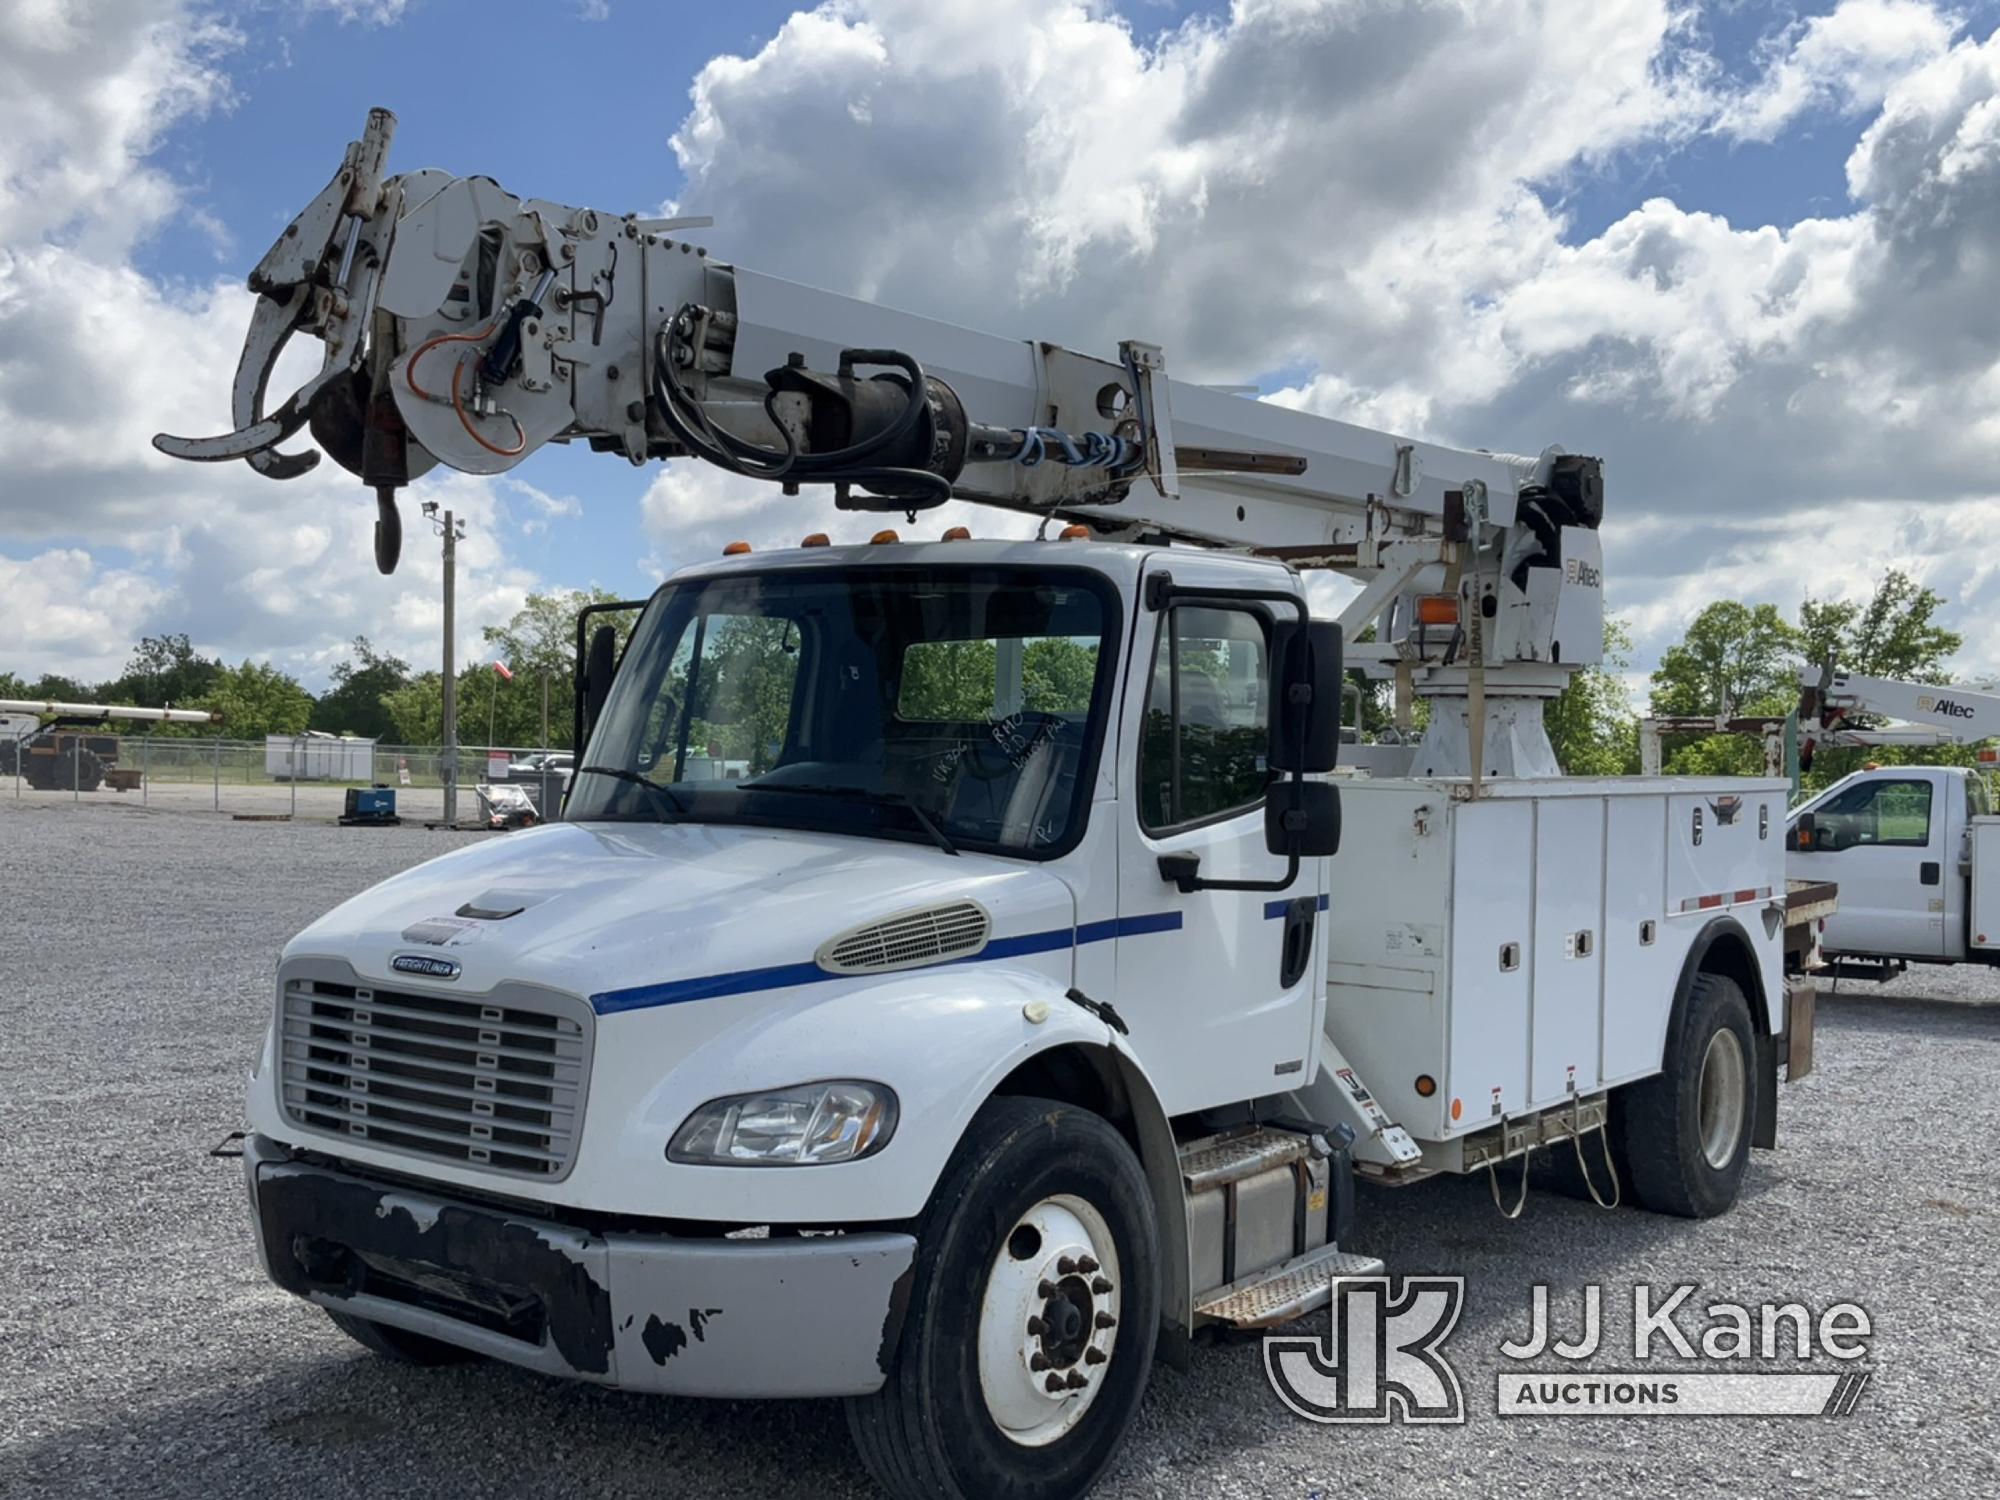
908	940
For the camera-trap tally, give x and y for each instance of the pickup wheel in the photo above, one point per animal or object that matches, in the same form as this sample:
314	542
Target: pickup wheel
1685	1134
1033	1310
399	1345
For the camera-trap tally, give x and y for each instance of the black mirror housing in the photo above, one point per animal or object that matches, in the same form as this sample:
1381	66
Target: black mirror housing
1302	819
1306	694
1803	834
594	674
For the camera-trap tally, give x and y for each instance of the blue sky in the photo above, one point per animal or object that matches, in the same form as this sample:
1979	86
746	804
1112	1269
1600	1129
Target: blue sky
1216	188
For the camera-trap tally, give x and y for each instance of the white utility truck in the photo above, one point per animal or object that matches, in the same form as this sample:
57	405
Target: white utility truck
1011	1018
1915	850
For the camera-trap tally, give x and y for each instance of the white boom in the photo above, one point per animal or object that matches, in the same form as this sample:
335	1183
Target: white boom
1951	714
466	326
52	708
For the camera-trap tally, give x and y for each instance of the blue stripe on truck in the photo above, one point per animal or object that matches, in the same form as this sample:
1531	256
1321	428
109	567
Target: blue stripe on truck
780	976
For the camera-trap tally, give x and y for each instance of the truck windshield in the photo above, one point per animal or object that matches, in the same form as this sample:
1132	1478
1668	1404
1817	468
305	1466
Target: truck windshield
961	706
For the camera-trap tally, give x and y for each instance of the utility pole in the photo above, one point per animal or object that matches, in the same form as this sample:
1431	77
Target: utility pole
451	530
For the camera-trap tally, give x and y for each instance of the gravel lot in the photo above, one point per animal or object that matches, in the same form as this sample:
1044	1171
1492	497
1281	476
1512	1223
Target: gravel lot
143	1354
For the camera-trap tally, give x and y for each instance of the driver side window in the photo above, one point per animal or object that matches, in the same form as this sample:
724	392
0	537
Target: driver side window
1204	748
1894	813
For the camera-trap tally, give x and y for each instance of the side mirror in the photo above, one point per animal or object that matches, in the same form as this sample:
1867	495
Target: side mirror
1302	819
1803	835
594	674
1305	698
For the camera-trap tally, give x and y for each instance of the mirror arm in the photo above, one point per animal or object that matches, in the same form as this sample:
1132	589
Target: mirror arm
1182	871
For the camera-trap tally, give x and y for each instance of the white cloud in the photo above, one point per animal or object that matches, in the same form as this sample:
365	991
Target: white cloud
1847	59
95	357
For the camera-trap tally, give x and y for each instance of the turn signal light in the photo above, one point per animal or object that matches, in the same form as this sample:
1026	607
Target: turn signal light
1426	1085
1075	534
881	537
736	549
957	534
1437	609
817	539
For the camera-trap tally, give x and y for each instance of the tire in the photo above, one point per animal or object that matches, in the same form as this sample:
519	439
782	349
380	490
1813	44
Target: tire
1684	1136
398	1345
1029	1178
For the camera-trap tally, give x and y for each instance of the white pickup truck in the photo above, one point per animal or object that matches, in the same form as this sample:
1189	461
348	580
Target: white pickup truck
1915	851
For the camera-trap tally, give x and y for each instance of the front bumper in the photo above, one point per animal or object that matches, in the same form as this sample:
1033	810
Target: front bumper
648	1312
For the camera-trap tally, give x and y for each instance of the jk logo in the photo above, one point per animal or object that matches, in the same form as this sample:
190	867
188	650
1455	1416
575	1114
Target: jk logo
1380	1361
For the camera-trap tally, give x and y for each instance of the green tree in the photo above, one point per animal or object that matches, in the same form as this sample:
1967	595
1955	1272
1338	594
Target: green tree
538	645
1893	634
255	700
355	702
164	671
1591	724
1735	659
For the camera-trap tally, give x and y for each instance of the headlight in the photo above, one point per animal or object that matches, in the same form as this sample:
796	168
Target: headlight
802	1126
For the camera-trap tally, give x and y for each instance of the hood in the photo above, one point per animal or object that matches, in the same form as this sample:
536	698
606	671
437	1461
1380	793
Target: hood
619	913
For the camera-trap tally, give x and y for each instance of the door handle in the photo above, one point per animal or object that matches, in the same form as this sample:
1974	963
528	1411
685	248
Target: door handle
1295	951
1928	873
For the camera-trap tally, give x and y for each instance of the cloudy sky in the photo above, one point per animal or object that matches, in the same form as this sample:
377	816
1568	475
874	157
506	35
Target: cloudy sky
1748	252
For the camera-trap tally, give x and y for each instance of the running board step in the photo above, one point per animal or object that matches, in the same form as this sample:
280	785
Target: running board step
1284	1292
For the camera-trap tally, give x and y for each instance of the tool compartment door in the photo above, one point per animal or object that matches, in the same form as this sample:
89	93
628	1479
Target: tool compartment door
1568	962
1492	949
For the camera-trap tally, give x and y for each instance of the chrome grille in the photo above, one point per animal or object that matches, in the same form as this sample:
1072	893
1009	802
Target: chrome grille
957	929
494	1083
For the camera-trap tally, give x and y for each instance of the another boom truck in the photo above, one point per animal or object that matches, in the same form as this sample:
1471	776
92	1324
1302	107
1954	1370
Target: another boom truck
1002	1014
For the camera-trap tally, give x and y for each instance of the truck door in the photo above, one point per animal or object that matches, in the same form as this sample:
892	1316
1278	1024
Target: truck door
1881	839
1218	986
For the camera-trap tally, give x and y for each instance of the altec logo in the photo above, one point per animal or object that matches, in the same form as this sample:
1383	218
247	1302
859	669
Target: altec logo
1577	571
1947	707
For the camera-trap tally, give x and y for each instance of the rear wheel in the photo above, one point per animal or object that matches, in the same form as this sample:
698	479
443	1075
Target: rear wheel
1685	1135
399	1345
1032	1314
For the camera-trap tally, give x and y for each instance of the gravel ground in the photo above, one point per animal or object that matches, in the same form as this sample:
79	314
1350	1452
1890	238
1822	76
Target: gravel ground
144	1355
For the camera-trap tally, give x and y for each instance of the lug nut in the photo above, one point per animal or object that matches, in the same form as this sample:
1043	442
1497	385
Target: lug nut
1045	1290
1068	1267
1076	1381
1038	1362
1093	1356
1035	1327
1086	1265
1105	1320
1100	1285
1053	1385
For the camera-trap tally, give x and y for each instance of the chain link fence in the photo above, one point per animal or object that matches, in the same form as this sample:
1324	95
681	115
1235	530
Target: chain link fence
307	778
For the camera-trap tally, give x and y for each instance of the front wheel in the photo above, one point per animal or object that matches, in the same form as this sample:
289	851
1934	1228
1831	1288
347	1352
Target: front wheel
1685	1134
1032	1314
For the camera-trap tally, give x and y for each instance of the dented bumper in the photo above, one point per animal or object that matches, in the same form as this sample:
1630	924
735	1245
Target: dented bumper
649	1312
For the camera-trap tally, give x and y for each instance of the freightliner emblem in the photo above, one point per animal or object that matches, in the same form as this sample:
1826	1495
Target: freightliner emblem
424	964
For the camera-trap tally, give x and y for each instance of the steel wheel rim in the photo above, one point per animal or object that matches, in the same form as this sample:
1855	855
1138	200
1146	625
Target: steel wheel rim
1049	1314
1721	1098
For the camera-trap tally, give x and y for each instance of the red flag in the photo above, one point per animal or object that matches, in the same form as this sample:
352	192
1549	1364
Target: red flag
501	668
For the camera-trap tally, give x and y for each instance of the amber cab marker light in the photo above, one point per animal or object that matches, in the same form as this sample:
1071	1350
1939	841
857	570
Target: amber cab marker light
1076	533
736	549
817	539
1437	609
957	534
881	537
1426	1085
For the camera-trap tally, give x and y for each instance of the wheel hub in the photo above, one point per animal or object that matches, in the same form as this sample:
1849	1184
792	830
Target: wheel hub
1048	1320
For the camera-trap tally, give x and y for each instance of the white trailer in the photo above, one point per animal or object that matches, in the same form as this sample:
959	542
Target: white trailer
318	756
1014	999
